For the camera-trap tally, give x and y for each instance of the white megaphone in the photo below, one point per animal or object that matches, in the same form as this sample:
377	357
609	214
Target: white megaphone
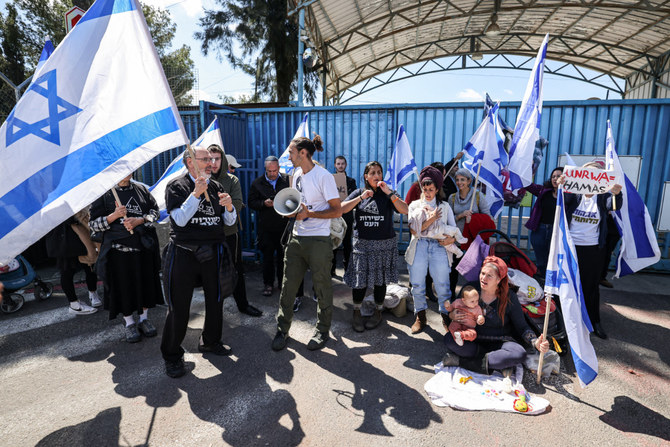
287	201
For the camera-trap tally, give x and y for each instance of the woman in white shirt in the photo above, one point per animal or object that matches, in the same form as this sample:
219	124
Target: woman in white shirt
587	219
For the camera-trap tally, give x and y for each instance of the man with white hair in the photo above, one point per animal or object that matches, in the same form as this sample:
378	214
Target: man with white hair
195	255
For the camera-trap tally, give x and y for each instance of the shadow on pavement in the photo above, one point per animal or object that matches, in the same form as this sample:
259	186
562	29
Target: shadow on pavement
375	392
101	430
237	397
630	416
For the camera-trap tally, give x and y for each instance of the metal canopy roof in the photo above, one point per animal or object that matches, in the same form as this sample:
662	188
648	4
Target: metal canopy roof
360	39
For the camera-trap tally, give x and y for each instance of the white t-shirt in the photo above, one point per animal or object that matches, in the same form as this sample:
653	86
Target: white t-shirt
585	222
316	187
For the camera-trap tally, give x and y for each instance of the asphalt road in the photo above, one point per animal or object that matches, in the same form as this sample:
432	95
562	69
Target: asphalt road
73	380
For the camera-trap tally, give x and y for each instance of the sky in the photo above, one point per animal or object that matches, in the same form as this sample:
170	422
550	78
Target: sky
217	78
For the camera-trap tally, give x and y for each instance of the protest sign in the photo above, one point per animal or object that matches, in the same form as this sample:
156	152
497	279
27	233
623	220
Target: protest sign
341	183
580	180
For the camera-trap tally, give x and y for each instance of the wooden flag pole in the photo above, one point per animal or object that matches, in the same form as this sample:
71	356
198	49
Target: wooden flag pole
474	187
118	201
547	298
195	165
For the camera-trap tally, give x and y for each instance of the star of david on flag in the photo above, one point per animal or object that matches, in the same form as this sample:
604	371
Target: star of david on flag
58	109
99	108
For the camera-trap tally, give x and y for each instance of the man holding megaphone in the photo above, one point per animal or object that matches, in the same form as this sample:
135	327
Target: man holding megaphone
313	200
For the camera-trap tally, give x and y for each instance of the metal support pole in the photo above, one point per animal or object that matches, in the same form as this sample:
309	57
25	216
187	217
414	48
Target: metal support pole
301	49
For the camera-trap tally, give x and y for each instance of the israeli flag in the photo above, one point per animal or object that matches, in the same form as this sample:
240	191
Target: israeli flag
46	52
211	135
285	165
527	128
486	148
99	108
402	162
563	280
639	246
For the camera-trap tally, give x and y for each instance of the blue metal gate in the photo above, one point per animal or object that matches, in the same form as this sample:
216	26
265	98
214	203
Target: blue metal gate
436	133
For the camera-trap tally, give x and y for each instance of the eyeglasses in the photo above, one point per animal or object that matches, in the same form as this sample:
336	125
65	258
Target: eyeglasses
206	159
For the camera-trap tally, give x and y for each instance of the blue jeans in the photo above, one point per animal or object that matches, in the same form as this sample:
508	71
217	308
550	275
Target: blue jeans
540	239
430	256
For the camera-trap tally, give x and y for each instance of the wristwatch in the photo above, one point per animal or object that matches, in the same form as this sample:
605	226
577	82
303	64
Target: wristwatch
392	193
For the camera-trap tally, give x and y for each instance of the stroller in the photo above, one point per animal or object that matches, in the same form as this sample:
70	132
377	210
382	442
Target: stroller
534	312
17	275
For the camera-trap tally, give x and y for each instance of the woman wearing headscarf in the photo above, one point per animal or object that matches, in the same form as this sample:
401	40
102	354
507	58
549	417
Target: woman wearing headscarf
129	260
499	340
428	254
375	245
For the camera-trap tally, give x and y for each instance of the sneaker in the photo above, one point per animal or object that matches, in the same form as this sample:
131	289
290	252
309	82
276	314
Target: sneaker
279	341
215	348
147	329
132	334
458	339
318	340
267	290
95	299
296	303
175	369
82	309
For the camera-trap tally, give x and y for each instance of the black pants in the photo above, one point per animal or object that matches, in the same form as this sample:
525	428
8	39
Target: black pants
67	280
379	293
269	242
240	292
186	272
346	243
591	259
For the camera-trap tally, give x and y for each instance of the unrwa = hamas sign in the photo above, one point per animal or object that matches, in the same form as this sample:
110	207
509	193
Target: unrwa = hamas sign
581	180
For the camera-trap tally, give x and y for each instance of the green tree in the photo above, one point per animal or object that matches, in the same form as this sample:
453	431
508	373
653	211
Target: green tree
11	57
46	19
268	42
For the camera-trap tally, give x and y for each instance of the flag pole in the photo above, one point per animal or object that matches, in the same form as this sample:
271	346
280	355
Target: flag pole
195	165
474	187
547	298
118	201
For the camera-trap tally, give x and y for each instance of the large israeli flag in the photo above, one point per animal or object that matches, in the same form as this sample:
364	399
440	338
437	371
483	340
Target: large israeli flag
285	165
486	148
99	108
639	246
527	128
402	163
563	280
176	168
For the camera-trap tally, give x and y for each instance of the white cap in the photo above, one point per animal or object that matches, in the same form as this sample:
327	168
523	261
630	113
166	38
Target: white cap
232	162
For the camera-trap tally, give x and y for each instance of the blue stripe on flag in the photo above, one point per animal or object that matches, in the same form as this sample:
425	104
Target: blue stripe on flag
176	166
103	8
585	372
636	212
54	180
406	170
